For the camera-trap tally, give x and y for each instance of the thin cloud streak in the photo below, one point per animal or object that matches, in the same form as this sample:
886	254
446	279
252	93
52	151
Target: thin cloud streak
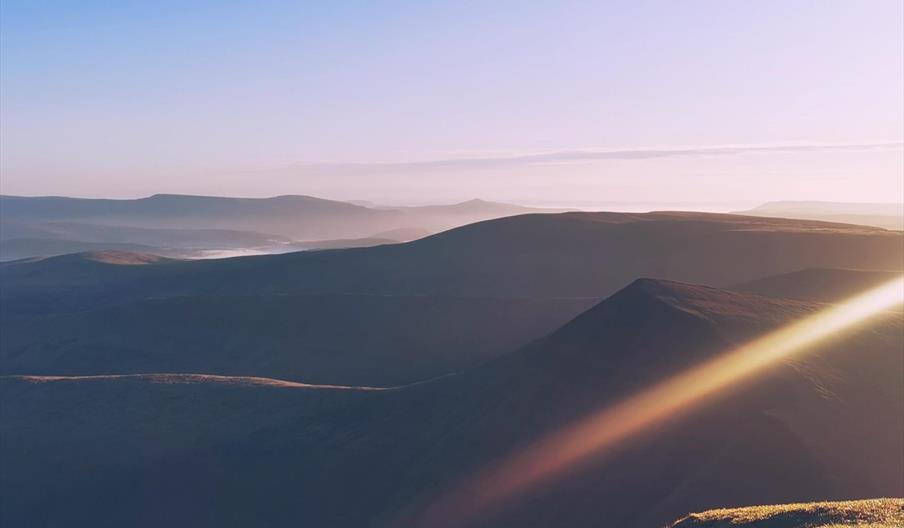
570	156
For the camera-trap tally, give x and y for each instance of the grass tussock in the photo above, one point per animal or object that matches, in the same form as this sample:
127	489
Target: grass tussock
872	513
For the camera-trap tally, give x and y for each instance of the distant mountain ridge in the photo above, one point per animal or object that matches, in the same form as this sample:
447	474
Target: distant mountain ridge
297	217
884	215
177	224
576	254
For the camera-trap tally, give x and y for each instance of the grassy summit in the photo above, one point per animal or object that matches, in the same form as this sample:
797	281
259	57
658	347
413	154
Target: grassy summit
873	513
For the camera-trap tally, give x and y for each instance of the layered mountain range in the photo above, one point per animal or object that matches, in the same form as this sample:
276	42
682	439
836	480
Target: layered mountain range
210	226
363	387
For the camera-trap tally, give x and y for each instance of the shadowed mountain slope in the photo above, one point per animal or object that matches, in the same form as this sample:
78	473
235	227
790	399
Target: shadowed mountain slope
823	425
318	338
763	441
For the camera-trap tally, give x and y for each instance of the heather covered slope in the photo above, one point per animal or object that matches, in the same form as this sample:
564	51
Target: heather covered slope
870	513
825	425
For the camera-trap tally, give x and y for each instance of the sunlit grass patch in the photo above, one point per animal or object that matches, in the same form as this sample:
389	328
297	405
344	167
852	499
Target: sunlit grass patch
872	513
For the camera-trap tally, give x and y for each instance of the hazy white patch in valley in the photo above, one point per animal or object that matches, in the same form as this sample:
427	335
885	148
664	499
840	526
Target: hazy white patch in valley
239	252
642	207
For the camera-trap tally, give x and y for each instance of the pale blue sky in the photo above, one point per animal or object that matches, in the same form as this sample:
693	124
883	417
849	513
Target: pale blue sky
339	99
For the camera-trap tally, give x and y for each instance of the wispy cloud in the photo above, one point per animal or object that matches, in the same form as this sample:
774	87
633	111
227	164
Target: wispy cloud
571	156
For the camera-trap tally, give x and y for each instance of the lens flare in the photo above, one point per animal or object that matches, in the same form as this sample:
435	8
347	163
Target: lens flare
602	430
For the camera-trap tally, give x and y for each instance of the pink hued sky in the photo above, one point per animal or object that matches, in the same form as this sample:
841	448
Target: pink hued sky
697	102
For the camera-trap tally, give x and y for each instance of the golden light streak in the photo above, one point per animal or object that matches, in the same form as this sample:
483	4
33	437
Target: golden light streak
615	424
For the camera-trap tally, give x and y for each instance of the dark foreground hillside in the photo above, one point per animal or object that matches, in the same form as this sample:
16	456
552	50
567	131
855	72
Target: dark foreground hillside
211	451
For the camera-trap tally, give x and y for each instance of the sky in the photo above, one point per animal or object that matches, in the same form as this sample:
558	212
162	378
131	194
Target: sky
559	102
